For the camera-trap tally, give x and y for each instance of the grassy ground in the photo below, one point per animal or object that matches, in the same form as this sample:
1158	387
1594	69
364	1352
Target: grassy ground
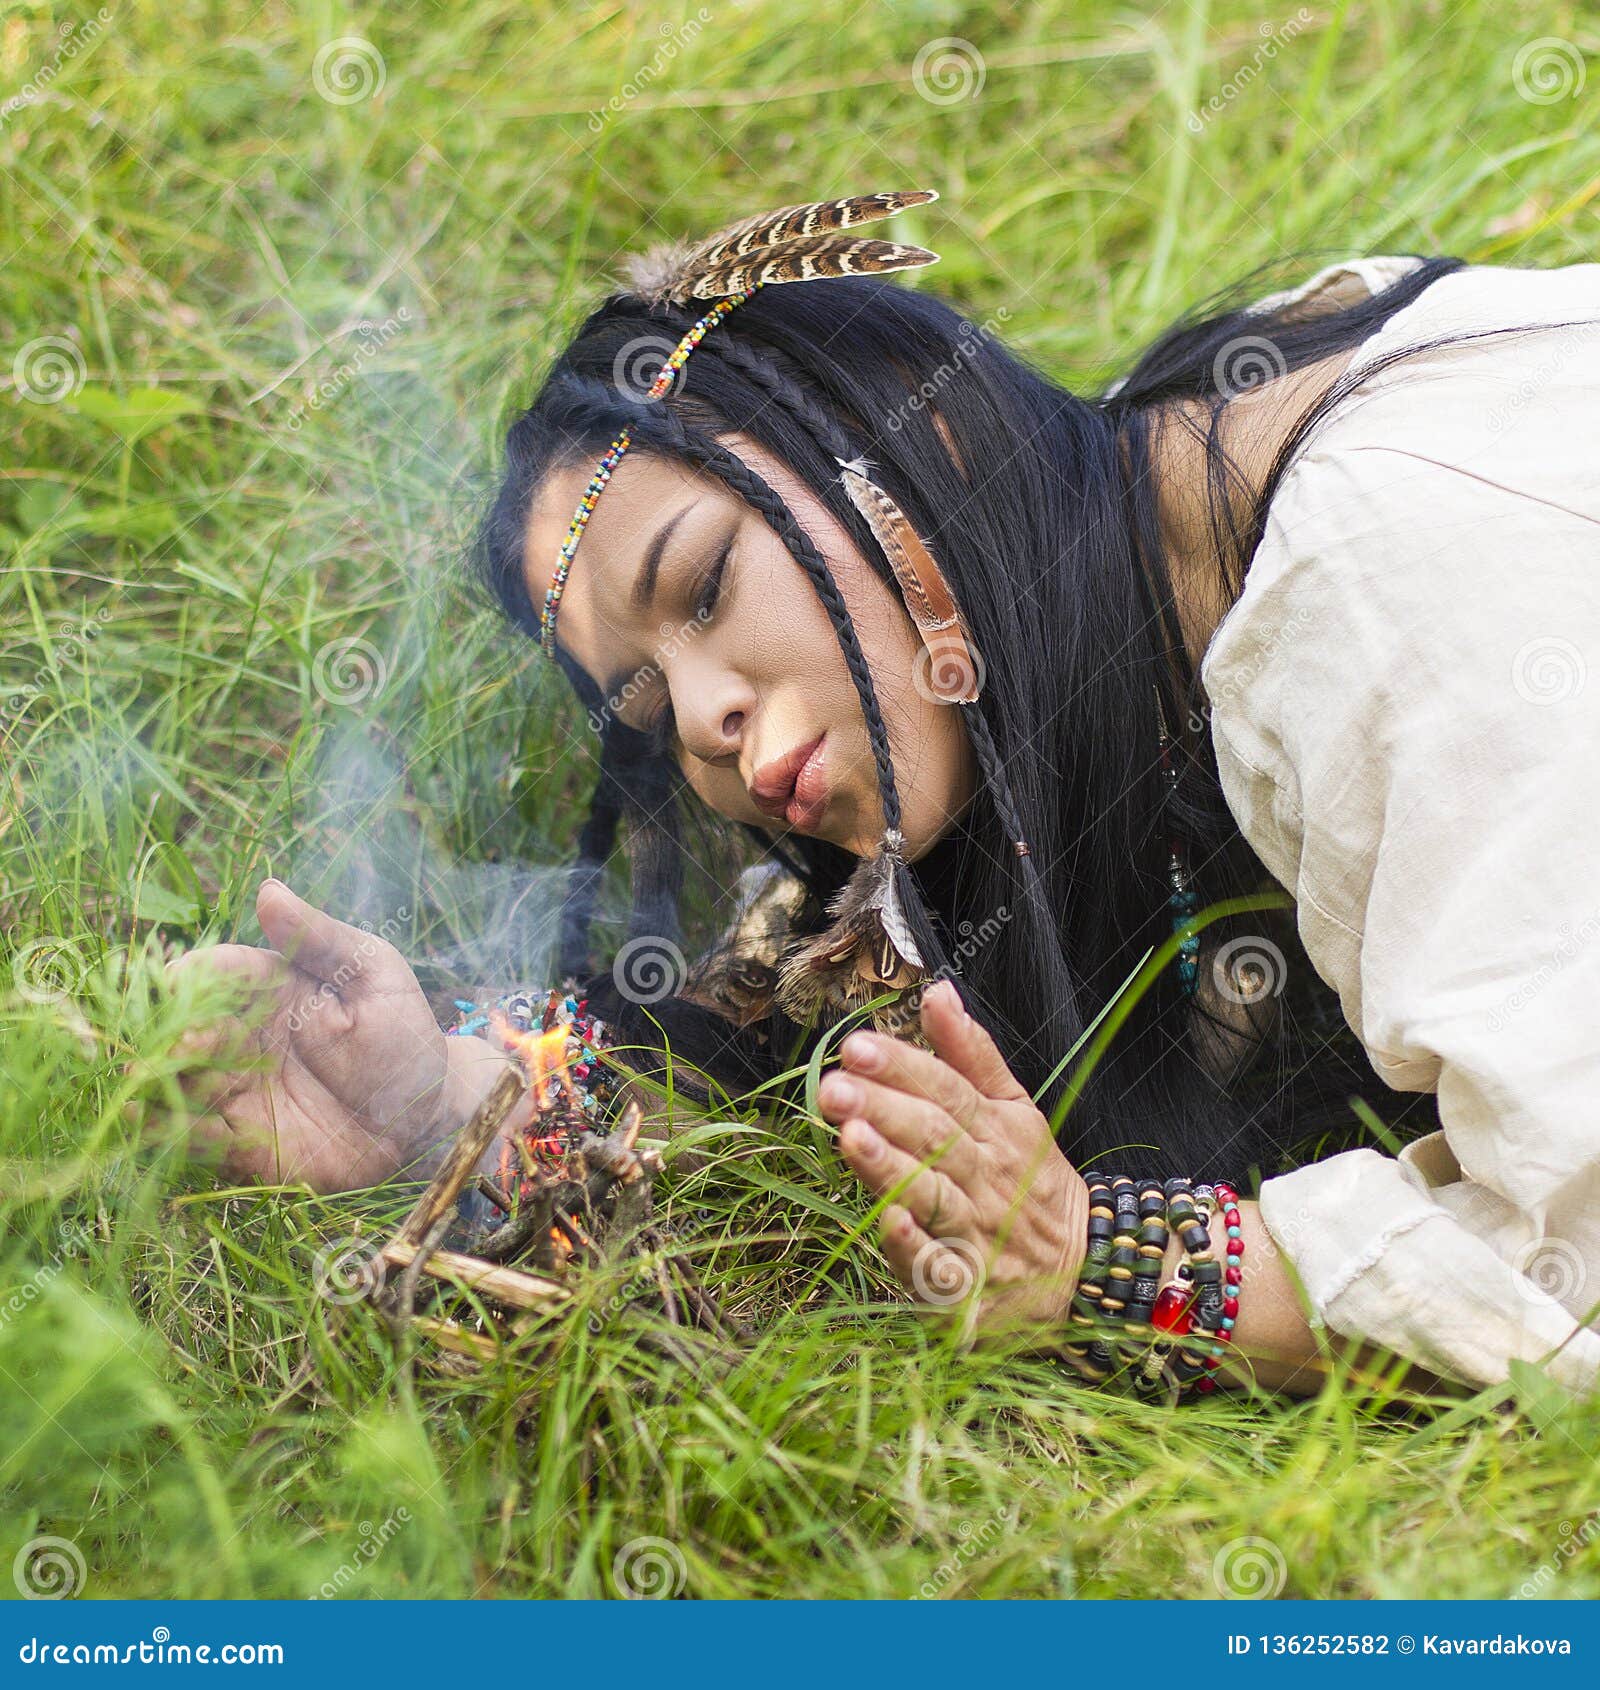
266	304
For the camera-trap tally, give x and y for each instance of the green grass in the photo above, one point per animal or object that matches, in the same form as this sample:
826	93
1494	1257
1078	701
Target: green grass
239	478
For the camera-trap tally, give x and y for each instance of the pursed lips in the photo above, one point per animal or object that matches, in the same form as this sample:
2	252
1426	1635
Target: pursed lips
777	791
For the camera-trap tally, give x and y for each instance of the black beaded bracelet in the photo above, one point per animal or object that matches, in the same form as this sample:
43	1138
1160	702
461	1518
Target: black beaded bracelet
1177	1330
1089	1357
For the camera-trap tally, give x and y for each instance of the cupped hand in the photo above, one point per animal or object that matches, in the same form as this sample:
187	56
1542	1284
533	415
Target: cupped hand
988	1219
334	1072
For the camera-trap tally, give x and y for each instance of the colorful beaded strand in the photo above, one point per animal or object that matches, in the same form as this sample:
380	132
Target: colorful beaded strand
679	356
1233	1278
569	546
658	389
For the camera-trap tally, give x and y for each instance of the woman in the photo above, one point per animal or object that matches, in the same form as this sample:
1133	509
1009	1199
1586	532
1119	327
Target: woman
1305	599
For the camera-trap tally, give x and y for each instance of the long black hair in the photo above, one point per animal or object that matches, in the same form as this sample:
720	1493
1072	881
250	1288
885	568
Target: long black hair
1045	522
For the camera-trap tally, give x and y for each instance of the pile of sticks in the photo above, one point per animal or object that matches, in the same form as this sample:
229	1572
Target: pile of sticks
582	1198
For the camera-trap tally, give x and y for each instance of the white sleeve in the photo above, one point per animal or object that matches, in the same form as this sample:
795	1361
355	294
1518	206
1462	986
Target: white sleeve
1406	710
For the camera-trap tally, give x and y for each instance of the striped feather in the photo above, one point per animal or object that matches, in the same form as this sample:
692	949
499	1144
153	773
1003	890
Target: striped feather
794	222
808	260
795	243
954	670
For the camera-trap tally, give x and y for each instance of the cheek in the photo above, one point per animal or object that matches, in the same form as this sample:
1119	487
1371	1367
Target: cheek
935	768
722	790
779	628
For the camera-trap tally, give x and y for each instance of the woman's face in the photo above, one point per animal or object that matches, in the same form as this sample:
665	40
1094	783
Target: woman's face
692	618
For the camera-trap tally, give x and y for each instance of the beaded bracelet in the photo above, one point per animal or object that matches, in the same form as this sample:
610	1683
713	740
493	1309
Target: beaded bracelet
1184	1324
1233	1275
1092	1360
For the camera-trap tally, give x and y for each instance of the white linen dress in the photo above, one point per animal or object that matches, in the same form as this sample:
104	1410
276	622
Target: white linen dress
1405	704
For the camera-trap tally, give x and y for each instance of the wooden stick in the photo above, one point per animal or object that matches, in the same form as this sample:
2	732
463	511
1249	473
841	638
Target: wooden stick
506	1285
493	1193
403	1297
462	1161
451	1335
515	1233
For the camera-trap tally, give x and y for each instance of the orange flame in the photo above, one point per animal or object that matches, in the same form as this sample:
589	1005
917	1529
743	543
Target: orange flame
545	1057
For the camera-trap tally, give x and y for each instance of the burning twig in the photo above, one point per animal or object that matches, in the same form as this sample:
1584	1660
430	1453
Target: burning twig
569	1194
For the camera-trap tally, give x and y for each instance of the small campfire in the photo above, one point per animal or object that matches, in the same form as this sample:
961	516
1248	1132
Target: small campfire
569	1192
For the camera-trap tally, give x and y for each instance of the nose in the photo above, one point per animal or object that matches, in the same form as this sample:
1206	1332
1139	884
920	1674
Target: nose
712	711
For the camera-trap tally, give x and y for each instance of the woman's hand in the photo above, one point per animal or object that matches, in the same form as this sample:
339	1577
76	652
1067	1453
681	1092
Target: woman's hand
336	1072
988	1201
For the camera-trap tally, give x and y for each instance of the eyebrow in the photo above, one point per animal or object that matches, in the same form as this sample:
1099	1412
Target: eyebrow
644	586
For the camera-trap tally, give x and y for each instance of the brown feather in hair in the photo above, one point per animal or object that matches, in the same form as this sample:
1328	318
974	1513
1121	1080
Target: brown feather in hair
676	272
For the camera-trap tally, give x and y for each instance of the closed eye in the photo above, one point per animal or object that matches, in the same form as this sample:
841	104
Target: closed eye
706	599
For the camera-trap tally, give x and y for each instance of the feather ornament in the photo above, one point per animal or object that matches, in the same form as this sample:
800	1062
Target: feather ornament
867	950
739	977
954	671
797	243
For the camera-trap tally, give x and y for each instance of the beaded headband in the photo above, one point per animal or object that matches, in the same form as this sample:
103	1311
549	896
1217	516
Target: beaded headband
658	389
794	244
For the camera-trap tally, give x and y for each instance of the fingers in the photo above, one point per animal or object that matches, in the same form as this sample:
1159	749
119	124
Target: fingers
883	1167
906	1243
919	1073
966	1046
923	1129
330	950
260	973
945	1275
